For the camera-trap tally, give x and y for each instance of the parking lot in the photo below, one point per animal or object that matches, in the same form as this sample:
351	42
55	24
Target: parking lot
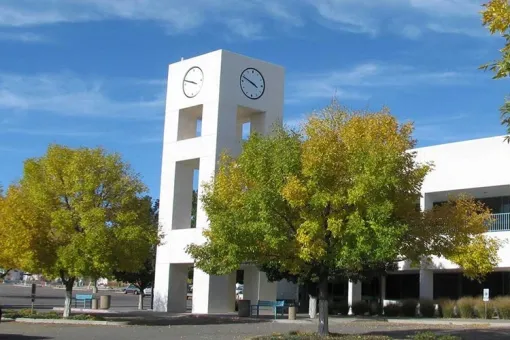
17	297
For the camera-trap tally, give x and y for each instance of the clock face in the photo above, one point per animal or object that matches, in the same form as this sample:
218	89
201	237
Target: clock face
252	83
192	82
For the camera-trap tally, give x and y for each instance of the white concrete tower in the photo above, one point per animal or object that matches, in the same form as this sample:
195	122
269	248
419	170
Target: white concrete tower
210	99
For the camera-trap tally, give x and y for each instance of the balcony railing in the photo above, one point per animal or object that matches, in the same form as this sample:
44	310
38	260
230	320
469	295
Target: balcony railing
500	222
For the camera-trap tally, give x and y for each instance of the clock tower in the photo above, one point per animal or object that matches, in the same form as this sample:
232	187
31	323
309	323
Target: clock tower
213	102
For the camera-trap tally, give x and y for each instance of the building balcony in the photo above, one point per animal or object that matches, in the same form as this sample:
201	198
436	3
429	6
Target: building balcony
500	222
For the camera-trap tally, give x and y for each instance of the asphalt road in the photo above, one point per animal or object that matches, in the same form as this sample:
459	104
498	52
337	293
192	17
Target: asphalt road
18	331
17	297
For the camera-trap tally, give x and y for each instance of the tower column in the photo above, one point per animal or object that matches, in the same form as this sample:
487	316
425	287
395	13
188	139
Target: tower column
354	294
171	295
257	286
213	294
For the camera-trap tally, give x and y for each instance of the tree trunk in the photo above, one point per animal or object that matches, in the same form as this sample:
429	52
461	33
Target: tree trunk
140	300
5	273
94	287
69	296
312	306
152	296
323	307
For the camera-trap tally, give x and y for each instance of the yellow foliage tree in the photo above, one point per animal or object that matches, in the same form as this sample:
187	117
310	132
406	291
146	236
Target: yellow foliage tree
496	17
333	199
76	212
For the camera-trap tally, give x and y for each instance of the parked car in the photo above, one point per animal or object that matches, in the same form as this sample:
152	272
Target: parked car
148	290
131	289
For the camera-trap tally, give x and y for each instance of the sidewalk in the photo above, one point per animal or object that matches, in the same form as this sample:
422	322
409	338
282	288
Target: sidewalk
304	319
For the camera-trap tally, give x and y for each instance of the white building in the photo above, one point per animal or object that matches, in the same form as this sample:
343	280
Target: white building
211	101
478	168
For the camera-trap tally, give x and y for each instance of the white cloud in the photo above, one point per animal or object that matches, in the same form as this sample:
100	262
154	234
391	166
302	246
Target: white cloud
360	81
26	37
360	16
53	132
245	29
68	95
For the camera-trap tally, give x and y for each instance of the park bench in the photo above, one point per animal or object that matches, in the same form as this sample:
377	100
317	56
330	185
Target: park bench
274	305
83	298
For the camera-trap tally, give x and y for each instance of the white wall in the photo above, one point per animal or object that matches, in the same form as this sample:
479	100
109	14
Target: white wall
221	105
470	164
477	167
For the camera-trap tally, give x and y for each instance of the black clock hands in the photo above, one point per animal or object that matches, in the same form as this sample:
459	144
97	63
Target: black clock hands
189	81
250	82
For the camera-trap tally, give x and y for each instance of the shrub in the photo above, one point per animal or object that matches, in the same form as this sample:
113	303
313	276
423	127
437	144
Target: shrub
409	308
15	314
427	308
502	305
27	313
466	307
360	308
447	307
339	308
392	310
374	308
87	317
480	308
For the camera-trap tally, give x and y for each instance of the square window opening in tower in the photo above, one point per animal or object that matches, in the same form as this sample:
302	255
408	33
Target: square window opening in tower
249	120
185	194
190	122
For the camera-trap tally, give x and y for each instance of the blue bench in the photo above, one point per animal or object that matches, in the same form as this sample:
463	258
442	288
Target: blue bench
83	298
274	305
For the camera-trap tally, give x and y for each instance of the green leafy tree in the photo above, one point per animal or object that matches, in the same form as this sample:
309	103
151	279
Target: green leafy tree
7	261
194	201
496	17
143	277
333	199
77	213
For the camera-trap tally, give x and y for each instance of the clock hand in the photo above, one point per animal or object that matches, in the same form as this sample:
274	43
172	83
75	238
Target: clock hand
189	81
250	82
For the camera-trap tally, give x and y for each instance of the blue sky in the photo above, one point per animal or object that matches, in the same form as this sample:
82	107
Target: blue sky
92	72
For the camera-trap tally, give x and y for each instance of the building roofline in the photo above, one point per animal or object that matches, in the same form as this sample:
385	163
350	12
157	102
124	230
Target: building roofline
459	142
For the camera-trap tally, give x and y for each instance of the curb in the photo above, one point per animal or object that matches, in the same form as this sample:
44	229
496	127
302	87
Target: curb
87	310
72	322
450	322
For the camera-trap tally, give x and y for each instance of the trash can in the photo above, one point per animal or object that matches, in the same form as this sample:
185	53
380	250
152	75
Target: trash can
104	301
243	308
93	304
292	312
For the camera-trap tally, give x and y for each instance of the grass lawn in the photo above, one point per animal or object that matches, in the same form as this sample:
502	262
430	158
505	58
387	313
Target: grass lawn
311	336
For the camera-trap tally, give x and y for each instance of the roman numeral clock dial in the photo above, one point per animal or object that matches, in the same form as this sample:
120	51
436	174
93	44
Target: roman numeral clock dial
252	83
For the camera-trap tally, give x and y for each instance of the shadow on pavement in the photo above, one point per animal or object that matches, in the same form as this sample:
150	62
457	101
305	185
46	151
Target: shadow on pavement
22	337
192	320
466	334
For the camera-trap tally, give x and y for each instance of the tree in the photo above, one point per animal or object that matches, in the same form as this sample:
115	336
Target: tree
496	17
76	213
333	199
7	262
194	201
143	276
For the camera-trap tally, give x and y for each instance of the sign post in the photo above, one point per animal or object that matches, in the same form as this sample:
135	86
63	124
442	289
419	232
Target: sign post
486	299
33	296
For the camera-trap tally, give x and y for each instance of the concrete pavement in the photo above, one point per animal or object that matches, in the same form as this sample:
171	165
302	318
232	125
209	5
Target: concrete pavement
17	331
